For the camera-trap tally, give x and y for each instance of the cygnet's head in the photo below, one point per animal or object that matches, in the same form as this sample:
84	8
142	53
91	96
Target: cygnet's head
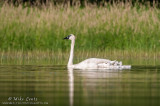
70	37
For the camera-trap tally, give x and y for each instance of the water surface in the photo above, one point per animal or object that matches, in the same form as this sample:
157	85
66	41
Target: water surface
55	85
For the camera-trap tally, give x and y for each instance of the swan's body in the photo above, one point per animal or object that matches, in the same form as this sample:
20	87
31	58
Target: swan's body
93	63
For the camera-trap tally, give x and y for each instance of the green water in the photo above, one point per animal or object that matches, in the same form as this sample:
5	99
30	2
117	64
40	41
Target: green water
57	86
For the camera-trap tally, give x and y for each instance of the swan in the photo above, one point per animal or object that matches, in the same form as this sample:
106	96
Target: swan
92	63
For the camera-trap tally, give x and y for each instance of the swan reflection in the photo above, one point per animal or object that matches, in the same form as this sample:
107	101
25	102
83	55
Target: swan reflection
90	79
71	86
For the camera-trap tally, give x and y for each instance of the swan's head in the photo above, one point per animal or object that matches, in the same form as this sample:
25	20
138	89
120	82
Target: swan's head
70	37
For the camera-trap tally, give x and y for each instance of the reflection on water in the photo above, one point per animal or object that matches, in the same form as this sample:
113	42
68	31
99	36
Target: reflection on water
71	86
55	85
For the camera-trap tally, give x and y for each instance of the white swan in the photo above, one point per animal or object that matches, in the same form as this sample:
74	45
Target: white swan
92	63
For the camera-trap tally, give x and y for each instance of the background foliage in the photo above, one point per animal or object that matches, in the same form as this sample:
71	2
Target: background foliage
117	26
82	2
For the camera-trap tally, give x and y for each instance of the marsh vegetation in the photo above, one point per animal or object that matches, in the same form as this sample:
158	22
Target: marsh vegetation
120	29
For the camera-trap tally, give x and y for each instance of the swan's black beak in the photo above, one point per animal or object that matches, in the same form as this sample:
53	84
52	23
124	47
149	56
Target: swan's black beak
67	37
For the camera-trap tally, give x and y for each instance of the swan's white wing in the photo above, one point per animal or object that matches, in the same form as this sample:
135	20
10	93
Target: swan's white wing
96	63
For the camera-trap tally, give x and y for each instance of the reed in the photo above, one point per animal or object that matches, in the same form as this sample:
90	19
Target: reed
61	58
113	28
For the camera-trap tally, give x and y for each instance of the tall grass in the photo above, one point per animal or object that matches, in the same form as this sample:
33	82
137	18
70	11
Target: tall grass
61	58
117	27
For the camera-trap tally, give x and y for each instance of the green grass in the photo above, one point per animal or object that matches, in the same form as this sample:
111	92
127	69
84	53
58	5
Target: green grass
120	27
114	28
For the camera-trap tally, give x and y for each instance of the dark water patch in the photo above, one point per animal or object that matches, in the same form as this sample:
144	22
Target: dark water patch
144	67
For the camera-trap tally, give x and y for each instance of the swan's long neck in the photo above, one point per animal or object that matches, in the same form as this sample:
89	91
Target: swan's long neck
70	62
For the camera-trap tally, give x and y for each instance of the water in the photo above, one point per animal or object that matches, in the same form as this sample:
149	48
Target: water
57	86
